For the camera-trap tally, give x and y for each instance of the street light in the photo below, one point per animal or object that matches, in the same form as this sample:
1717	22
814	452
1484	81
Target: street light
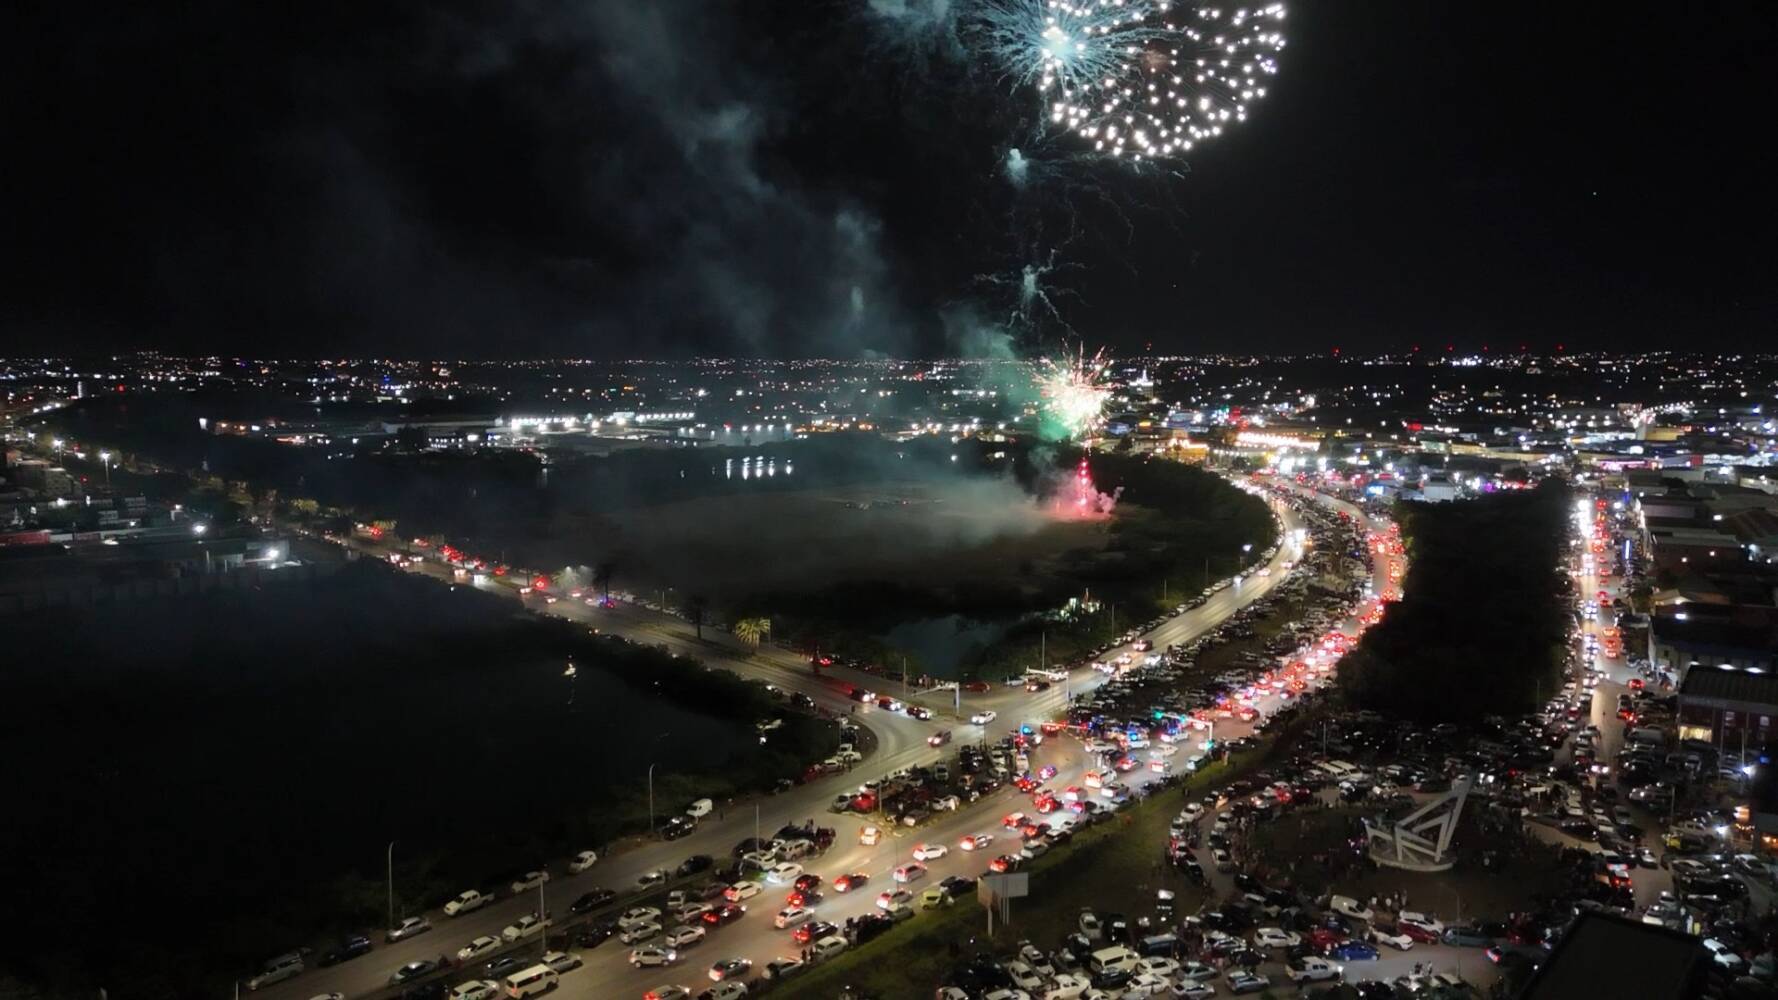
651	799
391	923
657	739
105	459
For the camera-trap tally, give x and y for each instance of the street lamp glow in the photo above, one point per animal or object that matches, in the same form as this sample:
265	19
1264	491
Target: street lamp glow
198	529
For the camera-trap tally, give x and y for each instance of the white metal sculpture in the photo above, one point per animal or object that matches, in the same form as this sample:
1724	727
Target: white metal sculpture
1421	840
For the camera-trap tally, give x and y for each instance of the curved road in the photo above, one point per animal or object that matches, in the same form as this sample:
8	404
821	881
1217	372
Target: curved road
901	742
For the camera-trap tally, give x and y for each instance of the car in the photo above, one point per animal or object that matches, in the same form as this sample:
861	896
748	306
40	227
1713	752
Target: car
277	970
349	948
894	897
652	958
1468	937
1274	937
527	926
1353	951
741	892
808	883
638	915
649	879
561	961
785	872
929	852
725	914
908	873
1409	921
976	841
408	927
850	881
1192	989
935	897
688	913
638	933
779	968
984	717
529	881
790	916
1391	936
1005	863
466	901
591	900
506	965
1145	985
1346	906
1242	981
1724	956
730	968
732	990
1165	967
413	970
812	930
1013	820
583	861
478	947
667	992
685	937
475	989
1312	969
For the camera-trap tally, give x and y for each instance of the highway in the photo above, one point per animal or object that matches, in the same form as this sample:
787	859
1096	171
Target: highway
901	742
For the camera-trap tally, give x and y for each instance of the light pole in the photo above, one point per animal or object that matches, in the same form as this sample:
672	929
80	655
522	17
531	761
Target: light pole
657	739
542	915
651	799
391	885
105	460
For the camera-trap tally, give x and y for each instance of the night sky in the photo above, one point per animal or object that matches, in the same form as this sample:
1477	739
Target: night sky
825	177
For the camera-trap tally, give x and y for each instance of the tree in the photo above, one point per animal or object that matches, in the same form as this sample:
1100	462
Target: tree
602	575
304	507
696	611
753	630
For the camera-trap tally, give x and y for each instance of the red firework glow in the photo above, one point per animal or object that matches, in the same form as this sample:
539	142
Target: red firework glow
1081	498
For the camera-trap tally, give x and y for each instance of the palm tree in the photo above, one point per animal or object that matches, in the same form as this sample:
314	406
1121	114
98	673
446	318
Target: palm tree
602	574
696	610
752	631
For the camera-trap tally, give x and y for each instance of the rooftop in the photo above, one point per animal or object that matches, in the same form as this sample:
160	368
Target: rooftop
1727	684
1609	956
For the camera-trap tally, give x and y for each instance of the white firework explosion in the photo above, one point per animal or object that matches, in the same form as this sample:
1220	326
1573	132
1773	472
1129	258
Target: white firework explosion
1138	79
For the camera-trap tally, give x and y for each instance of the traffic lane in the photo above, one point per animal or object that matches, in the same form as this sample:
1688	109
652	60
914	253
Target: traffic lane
901	733
716	836
755	938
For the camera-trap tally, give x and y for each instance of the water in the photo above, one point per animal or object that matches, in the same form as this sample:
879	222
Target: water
944	644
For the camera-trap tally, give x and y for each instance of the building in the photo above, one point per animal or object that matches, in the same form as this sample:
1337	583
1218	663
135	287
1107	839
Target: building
1684	637
1729	708
1602	955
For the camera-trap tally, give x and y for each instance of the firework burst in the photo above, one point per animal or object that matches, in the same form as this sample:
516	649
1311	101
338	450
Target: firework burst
1137	79
1073	392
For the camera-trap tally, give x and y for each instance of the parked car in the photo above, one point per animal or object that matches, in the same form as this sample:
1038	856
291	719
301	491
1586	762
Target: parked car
467	901
561	961
408	927
349	948
412	971
1468	937
528	926
476	948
